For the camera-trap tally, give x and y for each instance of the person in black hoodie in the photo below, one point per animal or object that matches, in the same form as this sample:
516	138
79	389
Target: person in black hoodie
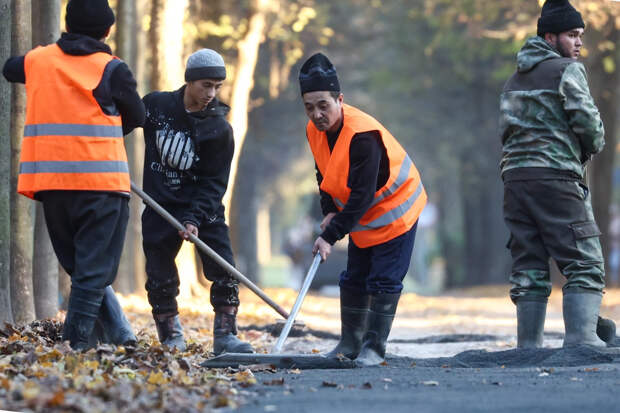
87	213
189	149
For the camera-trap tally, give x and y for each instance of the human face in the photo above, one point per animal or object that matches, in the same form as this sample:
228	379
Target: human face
199	93
568	43
323	110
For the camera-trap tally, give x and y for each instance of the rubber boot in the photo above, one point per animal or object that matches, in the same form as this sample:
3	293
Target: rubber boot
531	321
82	314
380	317
170	331
112	326
580	318
353	319
606	330
225	332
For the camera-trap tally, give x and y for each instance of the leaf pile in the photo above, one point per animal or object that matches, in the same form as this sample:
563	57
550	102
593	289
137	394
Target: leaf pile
39	372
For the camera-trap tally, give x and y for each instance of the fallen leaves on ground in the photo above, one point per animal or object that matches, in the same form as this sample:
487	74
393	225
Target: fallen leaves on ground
39	372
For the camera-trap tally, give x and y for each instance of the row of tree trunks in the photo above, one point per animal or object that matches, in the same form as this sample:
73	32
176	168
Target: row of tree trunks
45	30
6	314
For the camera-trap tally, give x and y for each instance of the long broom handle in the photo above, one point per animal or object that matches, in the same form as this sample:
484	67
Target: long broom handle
207	250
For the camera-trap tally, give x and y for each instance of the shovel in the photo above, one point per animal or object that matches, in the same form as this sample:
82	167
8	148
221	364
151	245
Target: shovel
288	361
207	250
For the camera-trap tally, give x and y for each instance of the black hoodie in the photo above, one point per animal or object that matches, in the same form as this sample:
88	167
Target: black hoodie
187	157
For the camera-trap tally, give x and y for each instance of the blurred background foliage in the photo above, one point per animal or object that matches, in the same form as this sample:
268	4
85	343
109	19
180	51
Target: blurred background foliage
430	70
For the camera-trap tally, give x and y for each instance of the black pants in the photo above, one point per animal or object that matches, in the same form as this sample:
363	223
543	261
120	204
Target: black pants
87	230
552	217
161	243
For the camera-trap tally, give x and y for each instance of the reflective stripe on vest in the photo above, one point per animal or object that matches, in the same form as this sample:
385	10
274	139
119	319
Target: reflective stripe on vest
393	214
71	129
396	206
69	142
78	167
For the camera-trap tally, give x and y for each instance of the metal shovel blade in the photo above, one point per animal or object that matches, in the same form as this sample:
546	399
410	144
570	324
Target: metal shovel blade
281	361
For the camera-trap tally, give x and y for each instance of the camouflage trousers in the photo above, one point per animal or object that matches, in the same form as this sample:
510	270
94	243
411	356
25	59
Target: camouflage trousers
552	218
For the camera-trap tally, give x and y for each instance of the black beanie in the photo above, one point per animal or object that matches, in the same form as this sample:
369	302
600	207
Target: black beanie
90	17
318	74
558	16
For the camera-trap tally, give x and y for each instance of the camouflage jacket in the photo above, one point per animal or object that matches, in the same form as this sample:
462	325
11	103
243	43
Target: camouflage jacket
548	118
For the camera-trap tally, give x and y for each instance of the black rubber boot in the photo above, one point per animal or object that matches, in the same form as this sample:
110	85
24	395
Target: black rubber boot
170	331
531	313
225	332
82	313
112	326
380	317
580	318
606	330
353	320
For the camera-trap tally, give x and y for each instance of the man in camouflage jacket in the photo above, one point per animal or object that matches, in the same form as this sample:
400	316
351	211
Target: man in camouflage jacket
550	128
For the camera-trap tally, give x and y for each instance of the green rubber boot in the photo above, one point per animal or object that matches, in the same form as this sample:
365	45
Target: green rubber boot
580	318
531	313
353	319
380	318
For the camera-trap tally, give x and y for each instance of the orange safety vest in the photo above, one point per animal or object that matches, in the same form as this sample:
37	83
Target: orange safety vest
69	142
396	206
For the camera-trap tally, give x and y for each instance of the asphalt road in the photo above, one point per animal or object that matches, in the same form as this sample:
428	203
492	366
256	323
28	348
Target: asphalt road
549	380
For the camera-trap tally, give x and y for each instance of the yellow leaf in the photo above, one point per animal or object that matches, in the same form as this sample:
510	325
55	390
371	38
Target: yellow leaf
51	356
91	364
157	378
245	378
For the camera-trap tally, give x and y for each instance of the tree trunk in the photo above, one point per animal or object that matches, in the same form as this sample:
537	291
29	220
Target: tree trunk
167	43
22	208
132	259
243	220
244	82
6	313
604	88
64	287
243	229
45	30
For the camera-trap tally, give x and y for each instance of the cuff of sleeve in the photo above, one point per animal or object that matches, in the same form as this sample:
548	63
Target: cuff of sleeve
189	221
329	236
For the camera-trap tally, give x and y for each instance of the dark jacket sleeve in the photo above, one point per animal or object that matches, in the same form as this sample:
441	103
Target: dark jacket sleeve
212	174
13	69
364	161
125	96
327	203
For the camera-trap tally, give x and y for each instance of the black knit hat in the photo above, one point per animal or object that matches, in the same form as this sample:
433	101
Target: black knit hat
318	74
558	16
90	17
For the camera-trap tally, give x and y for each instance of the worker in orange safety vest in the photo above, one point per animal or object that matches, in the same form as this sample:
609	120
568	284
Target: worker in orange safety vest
81	101
371	190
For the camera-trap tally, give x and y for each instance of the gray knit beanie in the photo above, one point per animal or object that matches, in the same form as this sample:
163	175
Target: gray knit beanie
205	64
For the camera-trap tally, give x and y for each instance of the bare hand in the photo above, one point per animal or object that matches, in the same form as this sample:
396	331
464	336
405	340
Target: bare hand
189	229
327	220
322	247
